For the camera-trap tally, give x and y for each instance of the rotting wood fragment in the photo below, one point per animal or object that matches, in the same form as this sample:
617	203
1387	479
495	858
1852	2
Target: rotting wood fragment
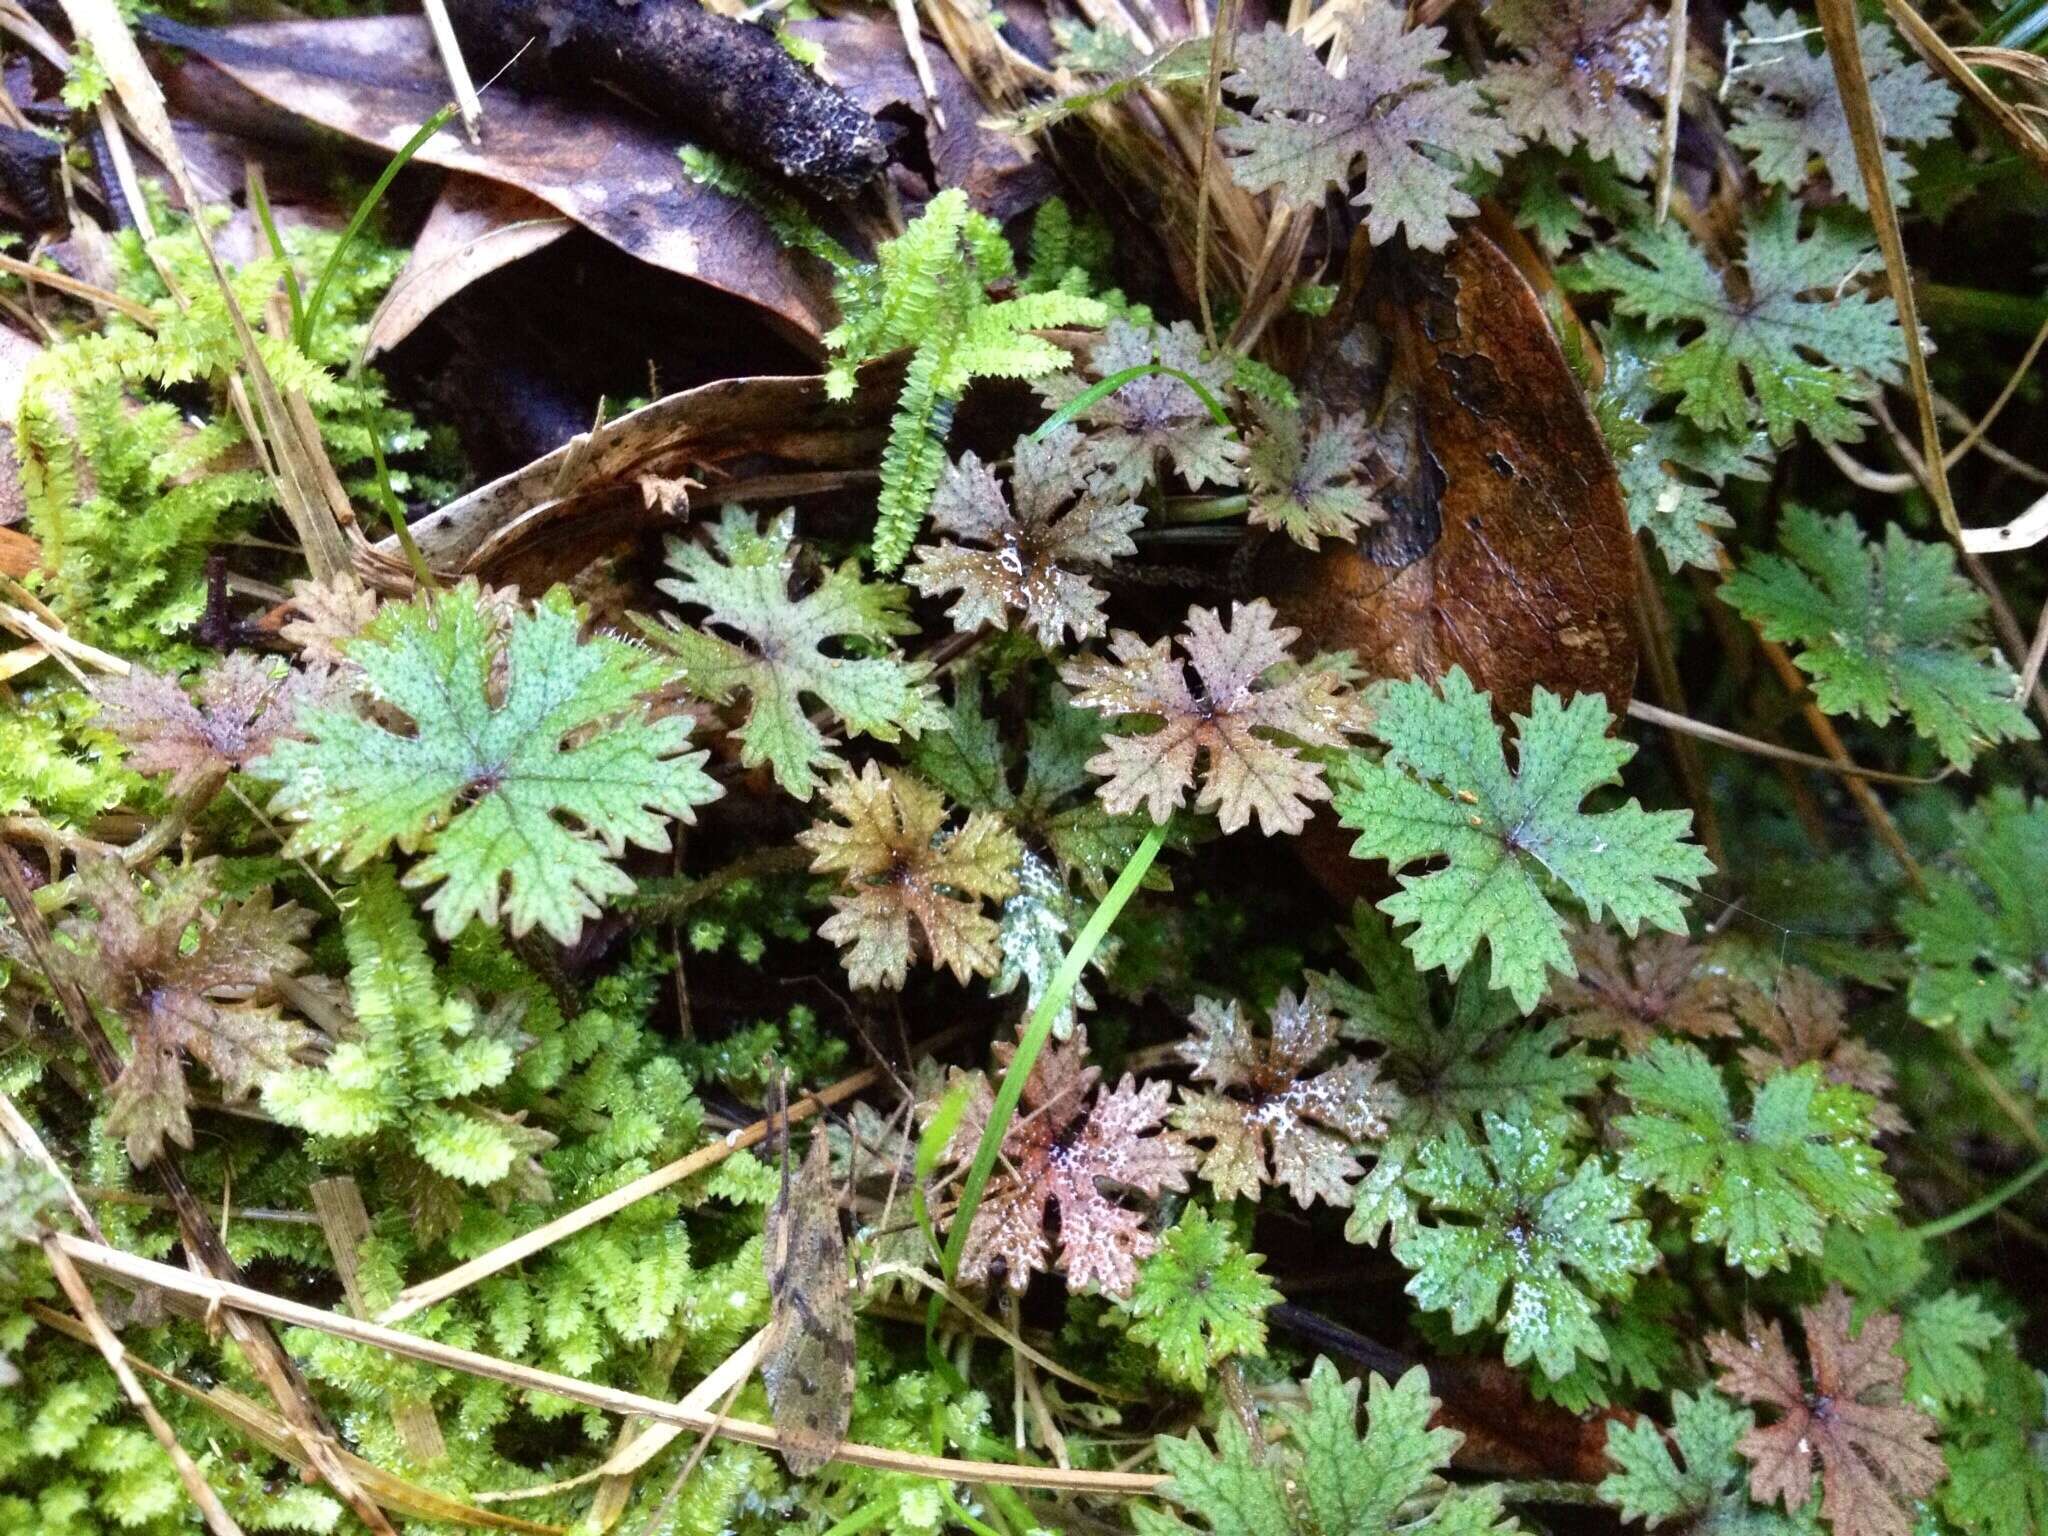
728	84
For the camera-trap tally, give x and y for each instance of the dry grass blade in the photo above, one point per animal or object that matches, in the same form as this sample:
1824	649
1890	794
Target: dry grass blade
417	1298
1839	22
452	61
2026	138
297	463
345	1223
274	1435
92	293
218	1520
1679	24
245	1299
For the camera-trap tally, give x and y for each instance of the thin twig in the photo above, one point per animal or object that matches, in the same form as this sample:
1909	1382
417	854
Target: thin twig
79	1294
1650	714
242	1299
417	1298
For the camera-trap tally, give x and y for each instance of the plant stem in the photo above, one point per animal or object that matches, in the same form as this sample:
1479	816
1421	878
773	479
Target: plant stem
1955	1221
1204	509
303	332
1033	1041
1979	309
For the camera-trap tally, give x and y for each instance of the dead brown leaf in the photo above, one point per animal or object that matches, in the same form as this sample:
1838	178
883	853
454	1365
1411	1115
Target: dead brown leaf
589	494
375	79
1506	549
807	1359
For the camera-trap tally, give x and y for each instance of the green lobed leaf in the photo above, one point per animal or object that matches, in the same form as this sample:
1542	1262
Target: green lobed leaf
1764	1186
1555	1234
1884	631
521	802
1512	840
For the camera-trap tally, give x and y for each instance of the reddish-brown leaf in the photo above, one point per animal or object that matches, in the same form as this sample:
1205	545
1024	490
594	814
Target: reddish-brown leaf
233	716
186	975
1661	985
1505	549
1803	1021
1059	1153
1875	1453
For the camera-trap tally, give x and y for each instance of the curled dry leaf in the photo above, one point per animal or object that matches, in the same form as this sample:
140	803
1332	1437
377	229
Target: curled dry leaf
1060	1152
475	227
1802	1021
1661	985
589	493
807	1358
1232	718
1874	1451
902	871
375	79
234	715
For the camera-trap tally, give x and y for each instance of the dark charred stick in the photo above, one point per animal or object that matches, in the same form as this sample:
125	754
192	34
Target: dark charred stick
29	164
728	84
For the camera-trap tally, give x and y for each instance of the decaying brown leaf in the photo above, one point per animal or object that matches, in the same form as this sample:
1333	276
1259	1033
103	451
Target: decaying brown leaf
808	1357
1505	549
375	79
